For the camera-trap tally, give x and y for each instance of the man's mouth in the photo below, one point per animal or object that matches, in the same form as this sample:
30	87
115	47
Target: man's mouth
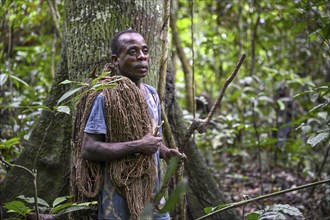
142	68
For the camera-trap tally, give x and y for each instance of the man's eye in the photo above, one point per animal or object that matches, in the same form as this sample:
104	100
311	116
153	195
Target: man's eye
132	52
145	51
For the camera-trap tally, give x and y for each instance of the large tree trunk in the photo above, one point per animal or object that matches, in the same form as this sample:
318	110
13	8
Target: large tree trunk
89	27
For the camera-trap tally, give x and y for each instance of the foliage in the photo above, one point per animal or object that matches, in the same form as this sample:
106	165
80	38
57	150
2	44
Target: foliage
318	116
277	109
81	88
279	94
29	51
60	206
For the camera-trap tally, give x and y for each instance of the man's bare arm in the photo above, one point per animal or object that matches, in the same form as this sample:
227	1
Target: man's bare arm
96	149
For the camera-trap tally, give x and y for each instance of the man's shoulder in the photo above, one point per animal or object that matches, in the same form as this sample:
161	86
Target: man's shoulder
151	89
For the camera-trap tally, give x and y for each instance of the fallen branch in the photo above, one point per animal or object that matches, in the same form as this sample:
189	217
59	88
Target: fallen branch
241	203
201	124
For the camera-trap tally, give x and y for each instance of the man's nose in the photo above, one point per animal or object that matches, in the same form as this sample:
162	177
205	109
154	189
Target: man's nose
142	55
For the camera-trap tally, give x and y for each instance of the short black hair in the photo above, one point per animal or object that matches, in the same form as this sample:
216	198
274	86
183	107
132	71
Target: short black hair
115	40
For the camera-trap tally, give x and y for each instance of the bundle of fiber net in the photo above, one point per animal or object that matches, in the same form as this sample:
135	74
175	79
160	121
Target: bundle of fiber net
127	120
86	176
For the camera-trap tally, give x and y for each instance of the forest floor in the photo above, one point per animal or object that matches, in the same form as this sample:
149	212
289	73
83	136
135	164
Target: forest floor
240	181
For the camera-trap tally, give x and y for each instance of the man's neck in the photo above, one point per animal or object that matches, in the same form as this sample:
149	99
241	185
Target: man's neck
138	83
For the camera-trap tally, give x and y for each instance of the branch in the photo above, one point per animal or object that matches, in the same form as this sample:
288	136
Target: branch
18	166
164	49
241	203
202	124
56	17
186	67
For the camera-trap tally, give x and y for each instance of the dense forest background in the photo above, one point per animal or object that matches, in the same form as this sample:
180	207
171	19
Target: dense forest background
271	131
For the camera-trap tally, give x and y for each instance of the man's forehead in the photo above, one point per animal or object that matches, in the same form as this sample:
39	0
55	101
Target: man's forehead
131	37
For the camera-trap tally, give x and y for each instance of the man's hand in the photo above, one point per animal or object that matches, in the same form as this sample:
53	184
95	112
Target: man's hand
167	153
150	144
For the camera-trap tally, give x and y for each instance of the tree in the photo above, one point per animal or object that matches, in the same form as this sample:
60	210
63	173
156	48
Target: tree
89	27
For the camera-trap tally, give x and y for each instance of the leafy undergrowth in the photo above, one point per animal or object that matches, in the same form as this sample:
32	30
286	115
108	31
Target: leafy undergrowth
240	181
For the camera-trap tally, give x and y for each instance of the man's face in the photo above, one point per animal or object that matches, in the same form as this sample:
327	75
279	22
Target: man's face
133	56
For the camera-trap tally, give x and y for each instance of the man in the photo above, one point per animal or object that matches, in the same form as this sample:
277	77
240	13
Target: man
117	200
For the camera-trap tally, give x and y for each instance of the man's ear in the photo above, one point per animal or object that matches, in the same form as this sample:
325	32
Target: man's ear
114	59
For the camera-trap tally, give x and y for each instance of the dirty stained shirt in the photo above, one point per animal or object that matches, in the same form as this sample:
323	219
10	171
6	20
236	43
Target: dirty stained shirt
113	205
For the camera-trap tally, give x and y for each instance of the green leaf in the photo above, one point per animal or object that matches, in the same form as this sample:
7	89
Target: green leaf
86	203
35	107
315	96
171	169
253	216
221	206
281	105
303	93
101	86
17	207
71	207
265	99
42	202
59	208
95	81
59	200
315	140
19	80
208	210
175	196
63	108
3	79
313	36
318	106
26	199
65	82
31	200
69	93
9	143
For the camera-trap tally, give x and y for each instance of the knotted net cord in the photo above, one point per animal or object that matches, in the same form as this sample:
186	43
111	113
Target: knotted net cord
126	120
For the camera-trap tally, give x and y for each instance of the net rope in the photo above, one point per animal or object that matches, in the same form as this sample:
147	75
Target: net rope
126	120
